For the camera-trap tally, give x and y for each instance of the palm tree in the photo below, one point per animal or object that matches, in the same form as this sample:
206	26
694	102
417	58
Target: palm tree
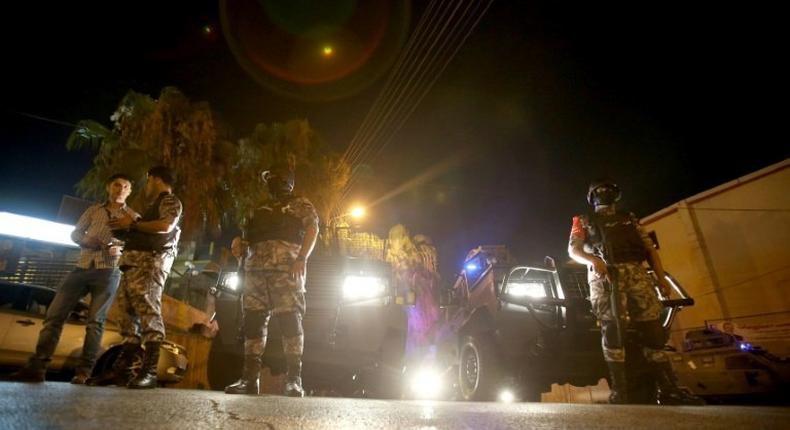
218	179
320	173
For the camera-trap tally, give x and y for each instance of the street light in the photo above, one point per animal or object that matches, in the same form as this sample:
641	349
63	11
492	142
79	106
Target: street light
357	212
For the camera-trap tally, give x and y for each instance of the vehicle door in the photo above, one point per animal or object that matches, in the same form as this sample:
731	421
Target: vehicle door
479	276
23	316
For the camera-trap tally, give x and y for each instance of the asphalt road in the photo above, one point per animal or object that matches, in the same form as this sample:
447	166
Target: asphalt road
61	405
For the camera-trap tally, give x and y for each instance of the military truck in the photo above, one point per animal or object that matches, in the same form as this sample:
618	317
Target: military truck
354	331
511	330
723	367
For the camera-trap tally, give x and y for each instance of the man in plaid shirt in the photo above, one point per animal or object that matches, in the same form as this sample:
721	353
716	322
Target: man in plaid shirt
96	273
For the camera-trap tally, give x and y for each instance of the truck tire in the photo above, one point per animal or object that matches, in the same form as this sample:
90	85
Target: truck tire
479	375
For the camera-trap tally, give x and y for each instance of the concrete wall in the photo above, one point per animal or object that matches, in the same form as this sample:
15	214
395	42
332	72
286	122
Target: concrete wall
730	248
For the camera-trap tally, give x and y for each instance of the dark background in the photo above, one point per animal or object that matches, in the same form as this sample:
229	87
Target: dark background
668	98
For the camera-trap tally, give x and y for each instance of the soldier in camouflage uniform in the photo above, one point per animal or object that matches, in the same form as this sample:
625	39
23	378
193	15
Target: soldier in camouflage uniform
151	246
616	249
279	239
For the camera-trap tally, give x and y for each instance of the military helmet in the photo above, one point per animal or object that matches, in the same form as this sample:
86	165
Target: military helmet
279	178
603	183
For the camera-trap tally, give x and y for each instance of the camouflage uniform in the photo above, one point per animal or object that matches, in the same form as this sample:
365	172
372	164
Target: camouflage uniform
145	273
617	239
269	287
637	293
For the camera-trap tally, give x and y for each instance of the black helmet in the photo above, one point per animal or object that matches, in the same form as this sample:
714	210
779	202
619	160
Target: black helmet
609	192
280	179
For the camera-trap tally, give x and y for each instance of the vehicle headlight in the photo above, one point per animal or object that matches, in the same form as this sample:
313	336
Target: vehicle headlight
363	287
526	289
507	396
426	384
231	281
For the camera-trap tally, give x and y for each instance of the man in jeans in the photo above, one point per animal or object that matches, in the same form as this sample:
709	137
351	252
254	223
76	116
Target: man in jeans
96	273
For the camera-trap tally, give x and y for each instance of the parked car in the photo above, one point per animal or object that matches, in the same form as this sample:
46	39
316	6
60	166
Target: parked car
22	311
723	367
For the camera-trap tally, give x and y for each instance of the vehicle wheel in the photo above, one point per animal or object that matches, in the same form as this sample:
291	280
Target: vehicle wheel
479	374
389	379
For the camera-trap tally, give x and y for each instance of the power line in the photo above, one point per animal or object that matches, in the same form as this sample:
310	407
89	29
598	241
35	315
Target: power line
357	140
434	77
45	119
415	69
403	68
418	90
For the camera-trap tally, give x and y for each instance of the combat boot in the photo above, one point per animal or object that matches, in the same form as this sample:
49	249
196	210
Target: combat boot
293	385
250	378
121	371
81	376
34	371
618	387
668	391
147	376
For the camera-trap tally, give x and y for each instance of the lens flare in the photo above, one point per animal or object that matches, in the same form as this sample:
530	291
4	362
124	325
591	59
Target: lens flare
276	41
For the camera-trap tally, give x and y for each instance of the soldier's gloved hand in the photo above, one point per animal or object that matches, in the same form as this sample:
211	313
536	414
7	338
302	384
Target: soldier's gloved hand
238	246
664	288
299	269
599	268
120	223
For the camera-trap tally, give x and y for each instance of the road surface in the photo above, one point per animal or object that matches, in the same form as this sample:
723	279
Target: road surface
62	405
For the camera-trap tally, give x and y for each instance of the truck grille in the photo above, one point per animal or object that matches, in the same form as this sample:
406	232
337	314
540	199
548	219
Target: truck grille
324	282
574	282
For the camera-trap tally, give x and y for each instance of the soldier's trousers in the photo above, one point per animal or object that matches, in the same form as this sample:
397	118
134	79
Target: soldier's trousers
639	301
275	293
140	299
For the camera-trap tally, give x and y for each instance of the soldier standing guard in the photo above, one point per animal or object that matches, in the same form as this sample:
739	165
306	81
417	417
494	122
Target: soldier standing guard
151	247
615	248
280	238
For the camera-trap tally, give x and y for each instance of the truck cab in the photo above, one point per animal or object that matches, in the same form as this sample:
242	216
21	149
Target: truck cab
510	328
354	331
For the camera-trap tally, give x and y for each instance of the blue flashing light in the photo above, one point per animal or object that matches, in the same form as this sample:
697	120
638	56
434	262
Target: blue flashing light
471	267
745	346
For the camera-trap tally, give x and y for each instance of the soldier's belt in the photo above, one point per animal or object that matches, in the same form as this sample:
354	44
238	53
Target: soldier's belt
270	270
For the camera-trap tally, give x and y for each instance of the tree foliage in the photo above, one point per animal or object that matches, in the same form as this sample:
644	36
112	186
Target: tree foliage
218	179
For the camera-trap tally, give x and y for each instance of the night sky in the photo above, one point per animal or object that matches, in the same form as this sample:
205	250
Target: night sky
668	98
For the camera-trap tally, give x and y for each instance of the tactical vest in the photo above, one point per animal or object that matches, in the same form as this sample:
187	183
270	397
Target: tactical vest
140	241
272	222
615	238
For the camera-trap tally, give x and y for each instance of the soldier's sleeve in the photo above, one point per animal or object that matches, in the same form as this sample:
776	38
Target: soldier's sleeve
132	213
170	209
578	231
82	225
305	210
